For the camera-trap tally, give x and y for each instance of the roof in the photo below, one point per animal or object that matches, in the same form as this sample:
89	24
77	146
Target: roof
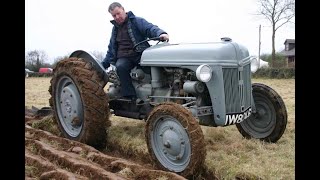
291	52
289	41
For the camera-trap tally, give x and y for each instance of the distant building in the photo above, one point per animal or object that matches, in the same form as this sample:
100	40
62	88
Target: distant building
289	52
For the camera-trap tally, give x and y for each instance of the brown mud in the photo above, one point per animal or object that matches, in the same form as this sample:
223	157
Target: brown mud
49	156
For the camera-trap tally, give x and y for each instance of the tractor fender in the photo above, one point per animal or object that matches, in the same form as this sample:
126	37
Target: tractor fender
88	57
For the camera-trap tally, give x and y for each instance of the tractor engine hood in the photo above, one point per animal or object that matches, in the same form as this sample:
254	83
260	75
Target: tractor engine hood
215	53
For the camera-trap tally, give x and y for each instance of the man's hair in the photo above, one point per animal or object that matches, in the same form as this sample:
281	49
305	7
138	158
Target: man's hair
114	5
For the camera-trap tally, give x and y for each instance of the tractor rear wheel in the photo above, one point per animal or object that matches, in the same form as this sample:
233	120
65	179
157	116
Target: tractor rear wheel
175	139
269	121
79	102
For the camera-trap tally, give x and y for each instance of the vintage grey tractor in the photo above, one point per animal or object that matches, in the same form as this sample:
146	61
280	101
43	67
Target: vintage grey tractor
179	88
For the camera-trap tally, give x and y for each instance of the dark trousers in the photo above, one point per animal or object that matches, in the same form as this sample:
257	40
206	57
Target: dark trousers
124	67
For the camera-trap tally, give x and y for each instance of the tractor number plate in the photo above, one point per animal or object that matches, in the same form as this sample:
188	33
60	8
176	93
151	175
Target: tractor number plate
237	117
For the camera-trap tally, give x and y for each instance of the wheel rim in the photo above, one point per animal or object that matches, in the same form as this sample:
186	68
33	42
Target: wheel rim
69	106
262	123
171	144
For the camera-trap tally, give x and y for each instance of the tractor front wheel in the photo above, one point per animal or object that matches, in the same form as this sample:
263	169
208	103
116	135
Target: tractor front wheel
175	139
269	121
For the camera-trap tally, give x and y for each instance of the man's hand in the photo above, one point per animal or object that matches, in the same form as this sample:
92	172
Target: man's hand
164	37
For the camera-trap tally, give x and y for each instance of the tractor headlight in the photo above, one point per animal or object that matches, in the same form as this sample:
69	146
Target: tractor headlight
204	73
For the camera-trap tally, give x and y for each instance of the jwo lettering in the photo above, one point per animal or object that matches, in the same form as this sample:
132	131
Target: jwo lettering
237	118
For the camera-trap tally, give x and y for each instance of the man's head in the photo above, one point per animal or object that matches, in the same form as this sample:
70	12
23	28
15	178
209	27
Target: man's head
118	13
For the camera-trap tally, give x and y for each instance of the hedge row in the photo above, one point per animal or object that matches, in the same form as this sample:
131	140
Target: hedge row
37	74
275	73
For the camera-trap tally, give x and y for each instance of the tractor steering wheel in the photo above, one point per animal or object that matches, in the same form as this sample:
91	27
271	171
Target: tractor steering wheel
149	39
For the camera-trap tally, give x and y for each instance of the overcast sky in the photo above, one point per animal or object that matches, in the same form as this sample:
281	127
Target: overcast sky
60	27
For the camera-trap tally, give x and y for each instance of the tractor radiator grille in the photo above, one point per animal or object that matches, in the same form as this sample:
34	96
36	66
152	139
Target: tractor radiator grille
237	88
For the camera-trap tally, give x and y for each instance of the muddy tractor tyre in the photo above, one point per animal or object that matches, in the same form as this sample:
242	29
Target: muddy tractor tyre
270	120
175	140
79	102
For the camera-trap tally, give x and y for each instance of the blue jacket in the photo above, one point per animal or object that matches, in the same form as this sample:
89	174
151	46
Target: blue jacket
139	29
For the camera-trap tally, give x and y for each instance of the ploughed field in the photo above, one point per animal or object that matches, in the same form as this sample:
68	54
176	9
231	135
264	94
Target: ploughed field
50	156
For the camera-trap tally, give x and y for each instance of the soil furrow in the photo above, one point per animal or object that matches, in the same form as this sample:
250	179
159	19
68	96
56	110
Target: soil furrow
59	158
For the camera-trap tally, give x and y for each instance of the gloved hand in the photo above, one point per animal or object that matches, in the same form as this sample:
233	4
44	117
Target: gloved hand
164	37
105	64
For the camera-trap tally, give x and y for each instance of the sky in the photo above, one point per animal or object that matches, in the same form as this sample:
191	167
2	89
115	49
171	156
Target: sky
59	27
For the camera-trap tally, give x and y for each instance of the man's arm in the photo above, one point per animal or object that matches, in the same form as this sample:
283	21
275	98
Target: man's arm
149	29
109	56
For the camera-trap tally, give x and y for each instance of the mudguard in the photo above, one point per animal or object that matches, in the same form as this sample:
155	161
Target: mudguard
94	61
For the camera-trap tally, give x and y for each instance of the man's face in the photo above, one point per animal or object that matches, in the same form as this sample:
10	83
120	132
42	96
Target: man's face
119	15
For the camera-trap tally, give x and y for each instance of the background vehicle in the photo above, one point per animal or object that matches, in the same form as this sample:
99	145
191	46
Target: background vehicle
256	64
27	72
45	70
180	87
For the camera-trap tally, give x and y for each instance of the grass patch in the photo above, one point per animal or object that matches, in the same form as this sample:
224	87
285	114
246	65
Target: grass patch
128	135
31	171
36	92
47	124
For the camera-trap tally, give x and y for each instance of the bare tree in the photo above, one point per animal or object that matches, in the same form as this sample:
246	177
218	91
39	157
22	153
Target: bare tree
35	59
99	55
59	58
278	13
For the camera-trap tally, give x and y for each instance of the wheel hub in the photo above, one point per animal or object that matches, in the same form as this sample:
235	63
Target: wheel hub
171	143
69	107
261	112
167	144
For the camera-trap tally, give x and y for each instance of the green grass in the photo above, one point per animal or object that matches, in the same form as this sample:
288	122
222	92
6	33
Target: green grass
31	171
